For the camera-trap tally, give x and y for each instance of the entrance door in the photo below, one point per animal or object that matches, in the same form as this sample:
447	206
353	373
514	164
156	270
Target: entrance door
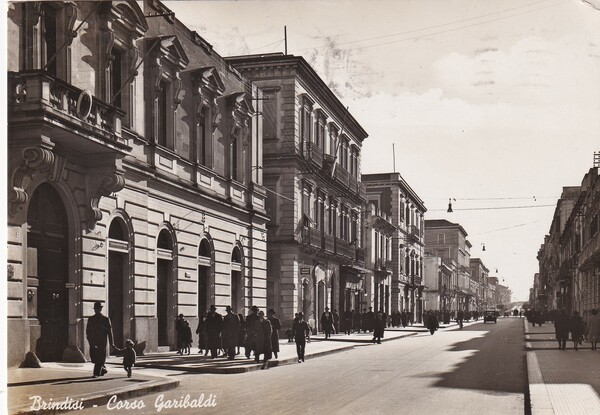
48	234
203	273
116	276
162	301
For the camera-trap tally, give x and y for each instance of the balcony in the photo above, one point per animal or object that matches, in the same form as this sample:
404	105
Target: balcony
414	234
315	154
590	254
311	237
341	175
360	255
353	184
329	243
344	248
68	115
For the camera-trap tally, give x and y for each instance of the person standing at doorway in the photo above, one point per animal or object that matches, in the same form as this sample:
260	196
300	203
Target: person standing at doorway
98	331
301	334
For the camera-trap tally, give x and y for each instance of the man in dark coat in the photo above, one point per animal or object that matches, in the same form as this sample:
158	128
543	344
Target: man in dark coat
179	332
378	328
301	333
327	323
250	339
336	321
98	330
577	329
347	321
561	329
214	325
356	321
231	327
275	327
262	337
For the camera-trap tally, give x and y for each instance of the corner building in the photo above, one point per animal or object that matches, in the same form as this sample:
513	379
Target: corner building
131	149
311	170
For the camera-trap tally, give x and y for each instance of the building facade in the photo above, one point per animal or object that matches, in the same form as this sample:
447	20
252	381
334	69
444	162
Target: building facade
311	169
569	259
479	274
379	233
131	182
393	196
448	241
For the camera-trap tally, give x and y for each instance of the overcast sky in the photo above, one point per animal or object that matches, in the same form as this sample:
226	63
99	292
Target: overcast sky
492	103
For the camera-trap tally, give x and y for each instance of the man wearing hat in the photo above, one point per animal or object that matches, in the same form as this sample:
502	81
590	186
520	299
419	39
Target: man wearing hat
214	324
251	320
231	327
97	331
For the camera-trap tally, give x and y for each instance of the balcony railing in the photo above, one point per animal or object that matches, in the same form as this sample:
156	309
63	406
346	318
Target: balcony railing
311	237
329	243
342	175
352	184
590	252
316	154
344	248
33	91
413	233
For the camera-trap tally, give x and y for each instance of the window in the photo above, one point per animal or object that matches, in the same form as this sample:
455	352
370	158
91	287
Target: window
116	80
207	87
333	217
333	139
163	116
202	137
271	115
594	226
441	238
49	40
306	207
305	124
319	138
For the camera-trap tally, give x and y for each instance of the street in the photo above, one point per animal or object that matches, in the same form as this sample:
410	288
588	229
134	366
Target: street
476	370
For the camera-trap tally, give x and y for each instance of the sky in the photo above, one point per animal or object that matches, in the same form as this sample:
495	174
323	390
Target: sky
492	104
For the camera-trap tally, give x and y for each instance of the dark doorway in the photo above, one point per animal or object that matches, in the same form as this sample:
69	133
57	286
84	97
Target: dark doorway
236	281
204	268
118	276
48	234
164	265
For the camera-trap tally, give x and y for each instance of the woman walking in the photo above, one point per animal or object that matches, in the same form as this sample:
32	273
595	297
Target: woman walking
593	329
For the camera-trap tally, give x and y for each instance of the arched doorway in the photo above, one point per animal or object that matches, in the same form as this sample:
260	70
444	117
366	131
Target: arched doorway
164	290
48	238
119	304
236	281
204	271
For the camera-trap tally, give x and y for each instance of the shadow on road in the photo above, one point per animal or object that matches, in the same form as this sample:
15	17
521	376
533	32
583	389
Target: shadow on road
496	364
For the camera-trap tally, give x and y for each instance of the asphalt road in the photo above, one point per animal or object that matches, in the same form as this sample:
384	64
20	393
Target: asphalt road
477	370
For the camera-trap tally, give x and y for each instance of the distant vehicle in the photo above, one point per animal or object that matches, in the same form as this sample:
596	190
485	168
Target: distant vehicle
490	315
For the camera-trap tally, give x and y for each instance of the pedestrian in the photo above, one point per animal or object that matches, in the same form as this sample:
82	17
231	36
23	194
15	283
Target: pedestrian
432	323
459	318
577	329
301	335
214	325
262	336
186	337
327	323
336	321
201	332
368	320
251	318
356	321
404	319
275	327
230	332
347	321
98	331
378	328
129	357
179	321
561	329
593	329
241	342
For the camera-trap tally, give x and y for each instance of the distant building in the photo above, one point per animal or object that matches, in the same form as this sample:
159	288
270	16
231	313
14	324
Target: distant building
479	275
448	241
392	195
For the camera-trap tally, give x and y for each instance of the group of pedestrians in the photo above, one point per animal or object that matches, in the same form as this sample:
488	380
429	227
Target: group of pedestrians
356	322
226	335
579	330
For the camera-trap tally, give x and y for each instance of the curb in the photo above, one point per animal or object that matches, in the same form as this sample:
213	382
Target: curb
101	398
256	366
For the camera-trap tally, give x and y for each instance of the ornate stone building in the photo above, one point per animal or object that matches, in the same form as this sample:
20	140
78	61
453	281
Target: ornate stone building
393	196
132	149
315	197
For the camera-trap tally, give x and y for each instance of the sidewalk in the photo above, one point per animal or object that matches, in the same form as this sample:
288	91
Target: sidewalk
71	386
561	382
318	346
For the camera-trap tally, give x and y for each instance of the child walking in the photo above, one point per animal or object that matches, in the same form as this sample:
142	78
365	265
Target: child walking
128	357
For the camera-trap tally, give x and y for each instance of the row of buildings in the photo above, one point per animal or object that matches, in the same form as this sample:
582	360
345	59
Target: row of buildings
569	258
148	172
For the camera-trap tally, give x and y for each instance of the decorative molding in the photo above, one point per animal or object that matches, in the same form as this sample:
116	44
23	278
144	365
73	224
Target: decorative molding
70	18
100	185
